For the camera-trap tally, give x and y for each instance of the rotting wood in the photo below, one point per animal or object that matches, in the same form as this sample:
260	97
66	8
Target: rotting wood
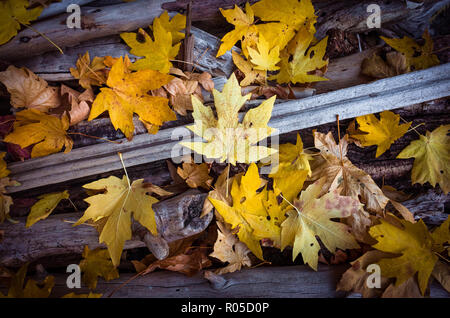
262	282
52	66
389	93
176	218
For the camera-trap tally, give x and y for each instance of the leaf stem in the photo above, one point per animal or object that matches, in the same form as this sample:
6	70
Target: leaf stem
41	34
89	136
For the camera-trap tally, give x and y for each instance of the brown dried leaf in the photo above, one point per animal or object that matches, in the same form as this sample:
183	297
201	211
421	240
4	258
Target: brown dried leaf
375	66
196	175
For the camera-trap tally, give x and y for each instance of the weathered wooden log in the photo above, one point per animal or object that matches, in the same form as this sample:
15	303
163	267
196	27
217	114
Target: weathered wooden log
261	282
52	66
56	8
96	23
176	218
389	93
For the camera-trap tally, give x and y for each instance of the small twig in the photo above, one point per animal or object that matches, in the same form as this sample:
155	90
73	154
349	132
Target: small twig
7	121
197	59
188	40
74	206
413	128
41	34
125	283
339	136
89	136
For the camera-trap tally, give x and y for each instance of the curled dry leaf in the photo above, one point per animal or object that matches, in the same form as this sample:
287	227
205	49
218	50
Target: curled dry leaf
196	175
375	66
5	200
188	264
221	191
395	197
29	90
251	75
74	104
230	250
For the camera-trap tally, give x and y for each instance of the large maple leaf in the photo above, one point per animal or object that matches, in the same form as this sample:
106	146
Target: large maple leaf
116	205
312	217
157	53
128	93
415	245
45	206
46	132
432	157
255	214
174	25
13	13
382	132
267	57
227	138
343	176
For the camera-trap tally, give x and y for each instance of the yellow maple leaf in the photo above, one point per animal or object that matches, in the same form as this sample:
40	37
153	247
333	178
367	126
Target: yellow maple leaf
382	132
18	288
29	90
292	170
311	218
227	138
432	157
251	74
343	176
157	53
291	12
13	13
417	56
89	72
46	132
244	29
229	249
45	206
266	58
256	217
119	201
304	60
128	93
414	244
97	263
176	24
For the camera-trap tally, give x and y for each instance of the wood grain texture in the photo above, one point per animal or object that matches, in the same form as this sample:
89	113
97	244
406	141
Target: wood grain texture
176	218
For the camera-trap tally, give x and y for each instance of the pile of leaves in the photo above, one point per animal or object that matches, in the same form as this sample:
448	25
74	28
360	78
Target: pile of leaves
314	201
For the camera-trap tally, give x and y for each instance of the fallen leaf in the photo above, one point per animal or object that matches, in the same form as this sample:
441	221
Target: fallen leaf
97	263
382	132
221	191
45	206
29	90
176	24
304	61
156	53
375	66
74	104
46	132
419	57
229	249
187	264
343	176
18	288
196	175
311	218
396	196
432	154
244	29
256	215
413	243
5	200
266	58
127	94
251	75
115	206
90	73
227	138
3	170
441	273
14	13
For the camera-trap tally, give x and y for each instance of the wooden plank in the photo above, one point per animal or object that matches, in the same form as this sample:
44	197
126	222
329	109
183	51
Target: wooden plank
56	8
389	93
176	218
52	66
98	22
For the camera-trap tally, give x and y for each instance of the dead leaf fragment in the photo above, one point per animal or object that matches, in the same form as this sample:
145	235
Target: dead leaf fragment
196	175
97	263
